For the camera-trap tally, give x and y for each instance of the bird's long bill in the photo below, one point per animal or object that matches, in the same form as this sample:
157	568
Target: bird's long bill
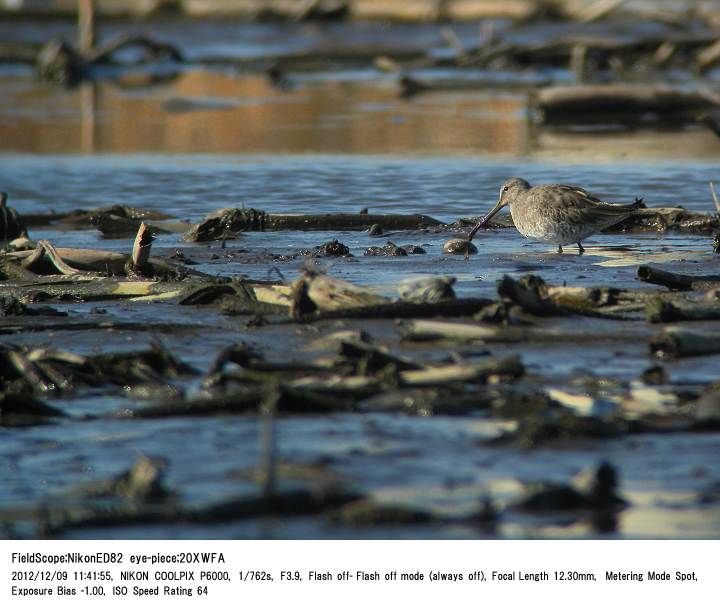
498	206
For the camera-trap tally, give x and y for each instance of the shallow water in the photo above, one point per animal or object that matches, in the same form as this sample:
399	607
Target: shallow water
339	142
434	463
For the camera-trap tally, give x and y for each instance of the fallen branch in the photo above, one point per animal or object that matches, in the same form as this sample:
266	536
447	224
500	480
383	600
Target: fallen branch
227	222
573	103
662	311
140	258
509	368
673	342
677	281
46	260
458	307
425	330
534	296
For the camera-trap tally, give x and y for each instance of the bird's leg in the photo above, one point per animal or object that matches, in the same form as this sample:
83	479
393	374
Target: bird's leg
559	249
581	249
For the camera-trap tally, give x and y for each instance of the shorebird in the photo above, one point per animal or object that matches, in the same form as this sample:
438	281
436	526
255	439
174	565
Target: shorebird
555	213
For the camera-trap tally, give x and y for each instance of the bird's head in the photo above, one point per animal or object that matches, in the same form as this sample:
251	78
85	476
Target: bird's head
508	191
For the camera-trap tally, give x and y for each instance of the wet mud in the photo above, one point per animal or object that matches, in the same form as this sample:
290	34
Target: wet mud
249	335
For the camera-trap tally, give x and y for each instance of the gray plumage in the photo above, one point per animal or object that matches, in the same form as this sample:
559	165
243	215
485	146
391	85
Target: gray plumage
556	213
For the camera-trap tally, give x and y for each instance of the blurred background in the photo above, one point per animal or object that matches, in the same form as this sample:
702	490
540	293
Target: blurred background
361	76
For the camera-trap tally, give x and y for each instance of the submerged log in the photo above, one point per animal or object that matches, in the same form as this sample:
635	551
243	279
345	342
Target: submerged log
60	63
48	260
302	502
111	225
457	307
534	296
411	86
662	219
510	368
661	311
247	400
88	288
83	217
22	409
650	219
426	330
371	359
674	341
572	103
677	281
11	224
228	222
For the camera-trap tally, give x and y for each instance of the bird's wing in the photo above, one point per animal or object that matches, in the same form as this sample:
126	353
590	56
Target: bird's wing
580	207
578	198
573	193
600	215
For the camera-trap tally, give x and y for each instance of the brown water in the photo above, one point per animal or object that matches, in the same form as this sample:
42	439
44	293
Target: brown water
214	112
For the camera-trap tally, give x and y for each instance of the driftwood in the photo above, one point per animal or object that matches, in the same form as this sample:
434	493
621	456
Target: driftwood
88	288
411	86
509	368
318	292
662	219
293	503
458	307
140	258
243	401
60	63
21	409
81	218
584	53
42	371
49	260
46	260
371	359
677	281
572	103
662	311
674	341
534	296
357	387
11	225
422	330
113	226
316	296
226	223
99	326
190	290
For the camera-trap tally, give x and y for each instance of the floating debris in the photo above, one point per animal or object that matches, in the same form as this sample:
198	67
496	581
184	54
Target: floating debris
390	249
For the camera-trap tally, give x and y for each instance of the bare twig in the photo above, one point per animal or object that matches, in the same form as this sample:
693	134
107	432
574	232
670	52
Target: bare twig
454	42
715	197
